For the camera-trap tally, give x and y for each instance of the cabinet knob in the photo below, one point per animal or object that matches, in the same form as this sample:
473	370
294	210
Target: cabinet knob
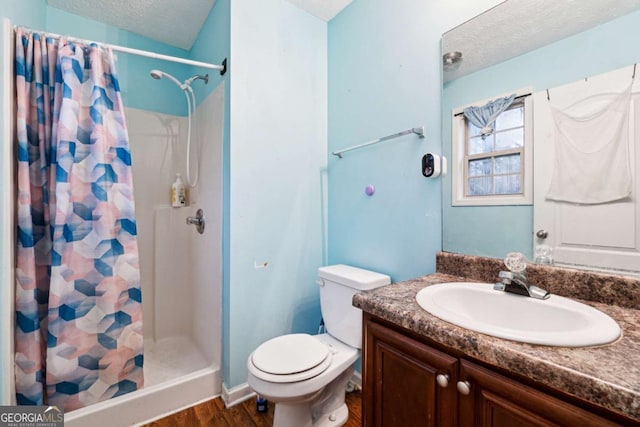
443	380
464	387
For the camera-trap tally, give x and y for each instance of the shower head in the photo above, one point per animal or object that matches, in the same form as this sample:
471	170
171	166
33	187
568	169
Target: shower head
157	74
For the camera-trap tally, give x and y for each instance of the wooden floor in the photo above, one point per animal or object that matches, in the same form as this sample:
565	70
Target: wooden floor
213	413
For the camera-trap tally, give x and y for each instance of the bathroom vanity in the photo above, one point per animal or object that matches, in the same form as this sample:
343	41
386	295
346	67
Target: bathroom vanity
418	367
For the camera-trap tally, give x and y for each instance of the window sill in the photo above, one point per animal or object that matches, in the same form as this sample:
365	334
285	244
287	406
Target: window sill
502	200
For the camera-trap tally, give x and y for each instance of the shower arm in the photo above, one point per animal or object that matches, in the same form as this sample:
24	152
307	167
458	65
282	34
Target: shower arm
197	77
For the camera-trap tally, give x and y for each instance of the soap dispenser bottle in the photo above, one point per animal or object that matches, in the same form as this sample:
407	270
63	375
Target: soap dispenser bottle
178	193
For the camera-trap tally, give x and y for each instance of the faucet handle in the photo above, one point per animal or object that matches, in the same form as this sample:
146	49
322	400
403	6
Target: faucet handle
516	262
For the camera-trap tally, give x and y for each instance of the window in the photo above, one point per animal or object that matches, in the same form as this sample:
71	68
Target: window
497	169
494	164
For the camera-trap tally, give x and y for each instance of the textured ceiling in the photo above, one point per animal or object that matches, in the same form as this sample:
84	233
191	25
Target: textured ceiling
174	22
515	27
323	9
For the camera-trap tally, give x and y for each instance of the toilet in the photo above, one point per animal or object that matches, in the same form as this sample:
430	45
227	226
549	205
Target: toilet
306	375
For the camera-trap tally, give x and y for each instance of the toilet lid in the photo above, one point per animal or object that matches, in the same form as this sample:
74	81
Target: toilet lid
290	354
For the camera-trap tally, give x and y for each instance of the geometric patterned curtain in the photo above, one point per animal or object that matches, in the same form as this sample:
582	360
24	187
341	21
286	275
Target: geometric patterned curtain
78	335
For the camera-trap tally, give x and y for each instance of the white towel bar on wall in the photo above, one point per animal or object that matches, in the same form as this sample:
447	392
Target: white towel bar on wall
418	131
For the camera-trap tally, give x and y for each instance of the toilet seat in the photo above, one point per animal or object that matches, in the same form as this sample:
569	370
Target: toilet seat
290	358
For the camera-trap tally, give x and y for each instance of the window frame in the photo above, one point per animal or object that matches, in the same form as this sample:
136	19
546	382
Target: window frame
459	139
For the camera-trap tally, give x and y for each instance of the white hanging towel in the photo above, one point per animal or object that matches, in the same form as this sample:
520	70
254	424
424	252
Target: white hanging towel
592	154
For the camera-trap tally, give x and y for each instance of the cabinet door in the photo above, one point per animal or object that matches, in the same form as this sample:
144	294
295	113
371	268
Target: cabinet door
400	381
498	401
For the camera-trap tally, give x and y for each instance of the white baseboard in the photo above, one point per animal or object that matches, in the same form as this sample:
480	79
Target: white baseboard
237	394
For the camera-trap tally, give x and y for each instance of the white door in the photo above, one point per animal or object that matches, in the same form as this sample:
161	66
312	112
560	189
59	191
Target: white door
605	235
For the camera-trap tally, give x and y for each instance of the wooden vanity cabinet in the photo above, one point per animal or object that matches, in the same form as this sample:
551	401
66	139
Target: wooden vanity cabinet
401	388
400	382
496	400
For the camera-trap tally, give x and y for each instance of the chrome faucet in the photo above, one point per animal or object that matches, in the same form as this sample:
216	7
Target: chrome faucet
197	220
517	283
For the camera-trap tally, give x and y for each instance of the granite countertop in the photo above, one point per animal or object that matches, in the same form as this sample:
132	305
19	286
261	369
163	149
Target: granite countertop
608	376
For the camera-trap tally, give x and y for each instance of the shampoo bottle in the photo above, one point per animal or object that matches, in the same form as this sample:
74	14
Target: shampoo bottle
178	193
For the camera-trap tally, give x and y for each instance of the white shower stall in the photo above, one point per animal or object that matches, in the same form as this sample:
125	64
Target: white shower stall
181	270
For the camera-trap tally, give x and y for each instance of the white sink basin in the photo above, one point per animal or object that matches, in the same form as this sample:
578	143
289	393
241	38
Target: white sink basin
556	321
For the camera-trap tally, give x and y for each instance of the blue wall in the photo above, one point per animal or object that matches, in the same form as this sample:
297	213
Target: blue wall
384	77
212	46
278	153
27	12
496	230
379	86
138	89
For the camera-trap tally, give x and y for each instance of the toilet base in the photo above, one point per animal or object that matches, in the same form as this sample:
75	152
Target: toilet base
326	409
336	418
292	415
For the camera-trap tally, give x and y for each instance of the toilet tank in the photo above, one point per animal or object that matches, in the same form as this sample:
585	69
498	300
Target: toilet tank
338	284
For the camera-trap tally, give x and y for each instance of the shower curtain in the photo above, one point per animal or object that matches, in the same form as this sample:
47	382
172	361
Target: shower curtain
78	335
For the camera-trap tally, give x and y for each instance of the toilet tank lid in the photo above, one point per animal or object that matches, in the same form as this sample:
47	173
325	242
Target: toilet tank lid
353	277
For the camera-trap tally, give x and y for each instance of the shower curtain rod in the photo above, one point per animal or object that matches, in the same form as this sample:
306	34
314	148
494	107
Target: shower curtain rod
139	52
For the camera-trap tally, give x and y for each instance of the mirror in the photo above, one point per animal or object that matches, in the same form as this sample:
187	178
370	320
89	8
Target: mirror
523	47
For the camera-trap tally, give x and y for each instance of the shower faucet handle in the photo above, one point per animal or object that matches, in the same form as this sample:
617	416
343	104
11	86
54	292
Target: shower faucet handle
197	220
